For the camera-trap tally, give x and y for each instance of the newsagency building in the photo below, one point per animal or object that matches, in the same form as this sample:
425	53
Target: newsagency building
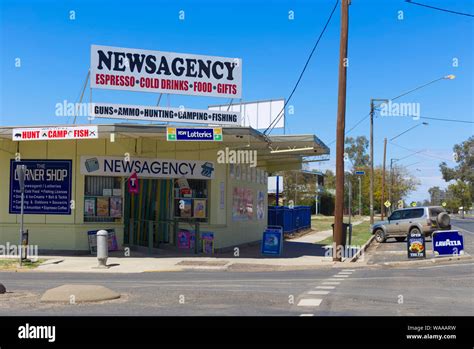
140	183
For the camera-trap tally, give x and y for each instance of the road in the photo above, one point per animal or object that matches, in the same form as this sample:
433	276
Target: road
369	290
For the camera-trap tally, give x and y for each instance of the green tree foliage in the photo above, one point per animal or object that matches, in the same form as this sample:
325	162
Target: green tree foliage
356	150
464	170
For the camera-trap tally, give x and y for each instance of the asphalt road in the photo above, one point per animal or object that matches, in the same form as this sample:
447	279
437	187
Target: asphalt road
371	290
392	250
433	290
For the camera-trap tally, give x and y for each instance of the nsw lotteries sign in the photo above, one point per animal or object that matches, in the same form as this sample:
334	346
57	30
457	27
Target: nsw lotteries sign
161	114
146	167
54	133
193	134
47	187
448	243
165	72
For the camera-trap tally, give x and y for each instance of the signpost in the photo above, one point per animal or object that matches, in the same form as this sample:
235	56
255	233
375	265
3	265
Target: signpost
21	170
272	242
360	173
193	134
448	243
416	245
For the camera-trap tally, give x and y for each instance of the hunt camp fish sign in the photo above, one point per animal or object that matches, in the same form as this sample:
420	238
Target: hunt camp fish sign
165	72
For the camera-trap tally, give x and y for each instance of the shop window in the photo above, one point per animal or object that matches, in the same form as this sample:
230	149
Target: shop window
191	199
103	199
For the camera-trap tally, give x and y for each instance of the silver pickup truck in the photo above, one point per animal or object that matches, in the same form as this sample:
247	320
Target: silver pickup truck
414	219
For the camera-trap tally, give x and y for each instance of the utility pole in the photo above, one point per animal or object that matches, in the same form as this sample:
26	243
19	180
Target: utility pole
340	133
382	206
371	194
372	110
360	196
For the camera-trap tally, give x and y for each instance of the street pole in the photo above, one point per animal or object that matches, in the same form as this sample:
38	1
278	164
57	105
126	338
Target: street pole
340	132
360	197
21	170
371	194
382	206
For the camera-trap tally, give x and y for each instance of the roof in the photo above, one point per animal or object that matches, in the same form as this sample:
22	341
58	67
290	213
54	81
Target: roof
277	152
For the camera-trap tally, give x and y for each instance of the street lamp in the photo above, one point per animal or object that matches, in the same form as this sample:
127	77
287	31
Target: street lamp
372	109
383	171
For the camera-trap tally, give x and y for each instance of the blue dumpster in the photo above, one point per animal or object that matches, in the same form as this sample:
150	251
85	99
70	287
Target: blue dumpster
291	220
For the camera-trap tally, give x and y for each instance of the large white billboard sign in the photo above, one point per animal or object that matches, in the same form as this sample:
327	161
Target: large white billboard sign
259	114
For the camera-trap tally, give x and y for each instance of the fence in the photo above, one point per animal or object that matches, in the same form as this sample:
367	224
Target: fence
291	219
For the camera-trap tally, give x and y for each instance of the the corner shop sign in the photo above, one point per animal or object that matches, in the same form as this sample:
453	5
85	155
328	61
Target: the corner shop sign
165	72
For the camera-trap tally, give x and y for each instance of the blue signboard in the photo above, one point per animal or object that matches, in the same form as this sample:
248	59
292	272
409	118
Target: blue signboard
194	134
272	242
47	187
448	243
360	173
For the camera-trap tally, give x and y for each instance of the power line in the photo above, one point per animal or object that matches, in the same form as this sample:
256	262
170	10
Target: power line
421	152
450	120
440	9
392	99
279	116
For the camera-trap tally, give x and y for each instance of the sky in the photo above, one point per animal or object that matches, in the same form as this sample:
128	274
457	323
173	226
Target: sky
393	48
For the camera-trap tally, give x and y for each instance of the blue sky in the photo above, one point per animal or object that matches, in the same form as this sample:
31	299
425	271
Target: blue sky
387	56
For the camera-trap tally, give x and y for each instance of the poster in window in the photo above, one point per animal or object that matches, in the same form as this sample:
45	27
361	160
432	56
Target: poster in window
249	203
116	206
185	208
238	169
199	208
103	206
260	205
242	204
89	207
207	239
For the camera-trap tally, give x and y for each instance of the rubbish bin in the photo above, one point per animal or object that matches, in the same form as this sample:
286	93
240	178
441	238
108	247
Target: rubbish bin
345	227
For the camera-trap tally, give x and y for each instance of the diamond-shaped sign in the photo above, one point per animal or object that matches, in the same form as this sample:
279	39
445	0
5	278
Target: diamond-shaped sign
413	204
443	204
387	204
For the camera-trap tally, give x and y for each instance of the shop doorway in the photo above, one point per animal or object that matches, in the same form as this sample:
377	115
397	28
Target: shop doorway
147	214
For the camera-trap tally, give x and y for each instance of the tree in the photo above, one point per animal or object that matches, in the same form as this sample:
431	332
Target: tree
437	196
459	196
464	170
356	150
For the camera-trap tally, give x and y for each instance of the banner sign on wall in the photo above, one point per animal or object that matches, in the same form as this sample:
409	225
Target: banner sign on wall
55	133
193	134
47	187
165	72
146	167
162	114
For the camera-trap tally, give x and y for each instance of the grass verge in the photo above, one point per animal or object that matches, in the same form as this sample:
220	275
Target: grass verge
11	264
360	234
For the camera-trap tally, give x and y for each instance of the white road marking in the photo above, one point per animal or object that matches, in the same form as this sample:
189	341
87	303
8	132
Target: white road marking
351	270
345	273
306	314
310	302
331	283
338	280
341	276
318	292
326	287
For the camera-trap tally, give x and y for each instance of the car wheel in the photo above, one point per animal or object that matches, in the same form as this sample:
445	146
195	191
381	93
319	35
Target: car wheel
415	231
400	239
443	220
379	235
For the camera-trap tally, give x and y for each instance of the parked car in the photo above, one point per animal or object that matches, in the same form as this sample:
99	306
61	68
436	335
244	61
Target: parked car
414	219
